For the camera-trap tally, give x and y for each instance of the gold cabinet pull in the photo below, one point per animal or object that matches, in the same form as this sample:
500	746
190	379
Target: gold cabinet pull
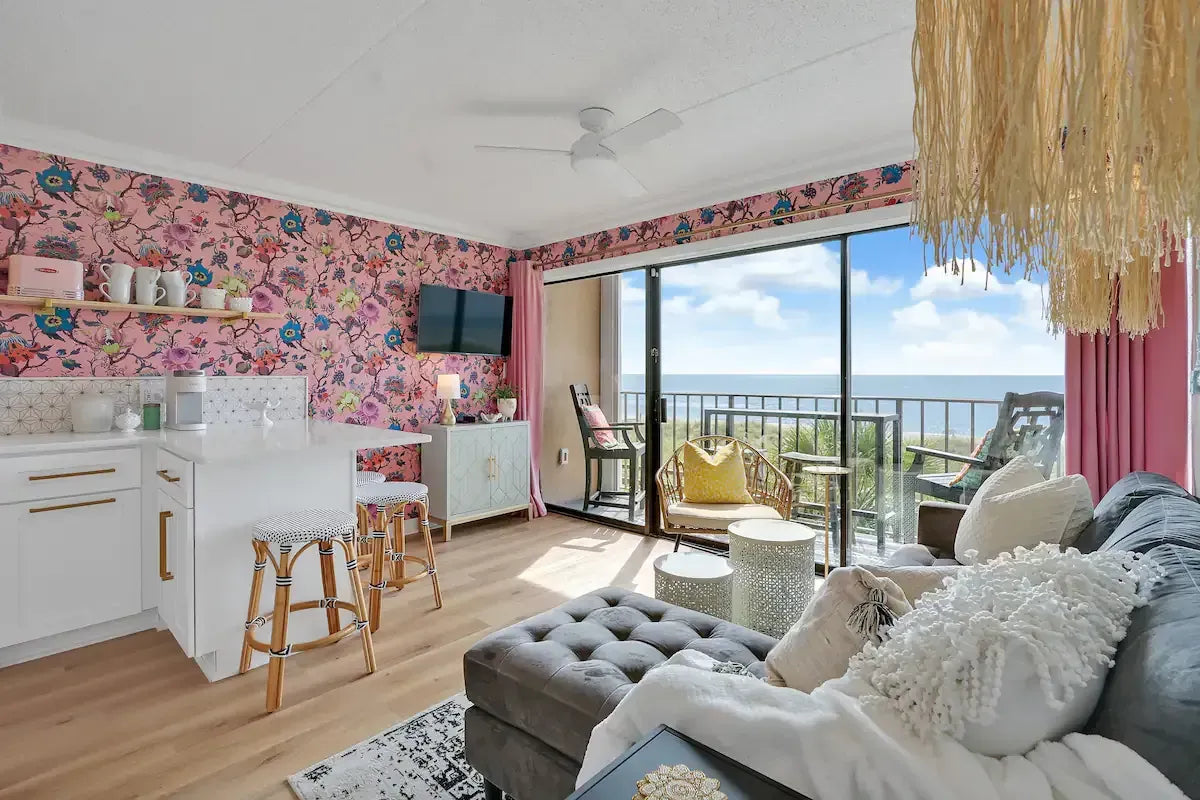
73	505
162	545
166	476
79	474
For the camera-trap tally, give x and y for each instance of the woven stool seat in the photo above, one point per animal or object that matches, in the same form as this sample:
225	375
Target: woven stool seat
302	527
392	492
365	476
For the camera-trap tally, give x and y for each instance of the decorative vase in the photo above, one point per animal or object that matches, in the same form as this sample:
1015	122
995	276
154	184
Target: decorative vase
507	406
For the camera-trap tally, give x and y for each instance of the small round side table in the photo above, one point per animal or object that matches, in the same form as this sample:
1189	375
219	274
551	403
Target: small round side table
699	581
772	573
829	471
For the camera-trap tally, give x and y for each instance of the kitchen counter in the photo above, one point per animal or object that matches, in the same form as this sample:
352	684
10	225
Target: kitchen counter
222	442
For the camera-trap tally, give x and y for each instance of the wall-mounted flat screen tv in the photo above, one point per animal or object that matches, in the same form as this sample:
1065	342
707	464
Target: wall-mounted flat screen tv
462	321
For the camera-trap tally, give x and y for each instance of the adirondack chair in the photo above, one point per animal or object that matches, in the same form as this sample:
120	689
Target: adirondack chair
627	449
1029	425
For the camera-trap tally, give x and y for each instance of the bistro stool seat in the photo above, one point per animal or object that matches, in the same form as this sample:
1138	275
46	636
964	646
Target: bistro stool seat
365	476
322	527
382	508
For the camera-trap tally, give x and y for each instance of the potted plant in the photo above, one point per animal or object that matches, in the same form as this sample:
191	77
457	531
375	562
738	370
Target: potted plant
506	400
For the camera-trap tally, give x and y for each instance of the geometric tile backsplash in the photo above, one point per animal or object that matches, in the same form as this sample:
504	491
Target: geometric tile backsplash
43	405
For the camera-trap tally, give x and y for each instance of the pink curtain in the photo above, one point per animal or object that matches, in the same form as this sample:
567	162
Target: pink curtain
1127	397
525	365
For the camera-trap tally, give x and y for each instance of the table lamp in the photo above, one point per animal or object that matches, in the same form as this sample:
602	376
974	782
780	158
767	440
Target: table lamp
447	389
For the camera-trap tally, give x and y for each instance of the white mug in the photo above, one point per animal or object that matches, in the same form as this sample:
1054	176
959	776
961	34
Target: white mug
212	298
115	292
149	293
241	304
144	274
178	295
180	276
115	273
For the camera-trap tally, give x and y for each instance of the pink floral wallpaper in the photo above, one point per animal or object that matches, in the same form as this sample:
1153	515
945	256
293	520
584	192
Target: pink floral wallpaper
853	192
347	285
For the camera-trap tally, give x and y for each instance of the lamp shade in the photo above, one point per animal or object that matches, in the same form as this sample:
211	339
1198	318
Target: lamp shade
447	387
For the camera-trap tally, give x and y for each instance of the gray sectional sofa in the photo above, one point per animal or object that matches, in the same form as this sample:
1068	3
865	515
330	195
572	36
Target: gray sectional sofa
539	687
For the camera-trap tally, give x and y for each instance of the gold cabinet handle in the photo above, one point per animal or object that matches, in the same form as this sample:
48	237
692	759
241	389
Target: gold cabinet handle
166	476
162	545
80	474
73	505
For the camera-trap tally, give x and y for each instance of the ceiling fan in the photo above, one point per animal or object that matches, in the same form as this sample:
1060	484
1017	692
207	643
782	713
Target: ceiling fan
595	153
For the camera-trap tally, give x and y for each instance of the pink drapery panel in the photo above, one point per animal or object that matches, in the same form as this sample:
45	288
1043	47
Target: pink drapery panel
1127	398
525	366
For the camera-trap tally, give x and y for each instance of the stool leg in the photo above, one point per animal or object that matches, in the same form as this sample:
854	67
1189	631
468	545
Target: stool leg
377	583
360	605
423	517
399	569
364	531
329	584
279	625
256	582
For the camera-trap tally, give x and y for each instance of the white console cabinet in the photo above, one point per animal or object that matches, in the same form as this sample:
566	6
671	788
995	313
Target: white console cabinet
475	471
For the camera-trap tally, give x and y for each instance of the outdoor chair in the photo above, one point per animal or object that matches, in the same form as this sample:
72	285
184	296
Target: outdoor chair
1029	425
706	526
615	444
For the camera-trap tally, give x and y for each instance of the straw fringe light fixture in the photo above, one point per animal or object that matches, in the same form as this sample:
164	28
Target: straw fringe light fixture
1062	135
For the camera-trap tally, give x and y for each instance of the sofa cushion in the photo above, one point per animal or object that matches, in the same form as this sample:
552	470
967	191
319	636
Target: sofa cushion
1151	701
716	516
556	675
1125	495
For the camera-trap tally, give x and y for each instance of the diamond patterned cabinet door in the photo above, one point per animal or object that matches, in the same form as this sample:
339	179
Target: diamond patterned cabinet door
470	485
699	581
773	574
510	482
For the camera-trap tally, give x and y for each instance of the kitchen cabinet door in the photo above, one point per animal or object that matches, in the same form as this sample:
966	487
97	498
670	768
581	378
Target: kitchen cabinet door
510	451
176	574
10	606
470	470
78	561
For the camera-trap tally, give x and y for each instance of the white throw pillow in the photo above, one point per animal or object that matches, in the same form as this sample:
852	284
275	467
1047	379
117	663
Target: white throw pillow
914	581
831	630
1081	515
1016	507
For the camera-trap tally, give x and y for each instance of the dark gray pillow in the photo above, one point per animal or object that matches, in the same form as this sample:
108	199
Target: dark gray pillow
1125	495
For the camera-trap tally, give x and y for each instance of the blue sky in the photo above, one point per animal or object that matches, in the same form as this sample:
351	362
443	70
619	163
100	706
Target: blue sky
777	313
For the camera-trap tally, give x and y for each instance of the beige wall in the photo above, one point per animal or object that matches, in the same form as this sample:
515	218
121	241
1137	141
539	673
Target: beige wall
572	355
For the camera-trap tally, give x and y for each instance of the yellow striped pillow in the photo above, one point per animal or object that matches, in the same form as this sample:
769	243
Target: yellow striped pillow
716	478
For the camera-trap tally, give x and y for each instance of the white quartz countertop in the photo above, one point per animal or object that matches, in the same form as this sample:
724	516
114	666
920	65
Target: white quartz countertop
221	442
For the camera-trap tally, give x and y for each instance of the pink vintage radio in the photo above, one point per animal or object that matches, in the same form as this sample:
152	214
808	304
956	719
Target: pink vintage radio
35	276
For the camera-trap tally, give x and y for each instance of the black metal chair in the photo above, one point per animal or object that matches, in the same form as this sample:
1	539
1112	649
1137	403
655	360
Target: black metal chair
626	449
1029	425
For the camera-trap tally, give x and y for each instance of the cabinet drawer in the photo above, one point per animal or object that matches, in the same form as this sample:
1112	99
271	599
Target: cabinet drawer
174	477
63	474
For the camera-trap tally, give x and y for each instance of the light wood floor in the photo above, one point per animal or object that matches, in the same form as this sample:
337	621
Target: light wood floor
133	717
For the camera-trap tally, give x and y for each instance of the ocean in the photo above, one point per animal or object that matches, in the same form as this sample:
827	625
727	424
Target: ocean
950	413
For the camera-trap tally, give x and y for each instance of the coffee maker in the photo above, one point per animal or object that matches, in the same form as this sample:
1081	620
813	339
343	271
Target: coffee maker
185	399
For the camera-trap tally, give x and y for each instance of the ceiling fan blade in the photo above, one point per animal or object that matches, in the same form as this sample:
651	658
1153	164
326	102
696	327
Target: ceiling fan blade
536	151
622	180
639	132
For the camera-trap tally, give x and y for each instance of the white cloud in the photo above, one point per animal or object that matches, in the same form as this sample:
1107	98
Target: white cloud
763	309
919	315
972	280
633	295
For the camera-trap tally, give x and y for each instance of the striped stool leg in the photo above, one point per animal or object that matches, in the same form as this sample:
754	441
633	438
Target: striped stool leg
377	584
256	582
423	517
329	583
279	625
399	570
364	629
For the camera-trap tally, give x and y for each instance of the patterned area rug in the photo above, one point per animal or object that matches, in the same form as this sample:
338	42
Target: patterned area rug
420	759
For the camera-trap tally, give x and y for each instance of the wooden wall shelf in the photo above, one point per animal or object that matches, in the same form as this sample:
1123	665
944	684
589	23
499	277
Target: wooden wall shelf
49	304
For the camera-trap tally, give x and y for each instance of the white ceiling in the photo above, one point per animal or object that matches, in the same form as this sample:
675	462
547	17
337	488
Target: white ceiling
373	106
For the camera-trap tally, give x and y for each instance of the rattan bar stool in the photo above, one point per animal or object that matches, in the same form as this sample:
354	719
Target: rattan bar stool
322	527
385	506
365	476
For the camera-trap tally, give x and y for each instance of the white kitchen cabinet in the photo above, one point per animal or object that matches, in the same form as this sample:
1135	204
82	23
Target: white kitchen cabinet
475	471
176	570
10	590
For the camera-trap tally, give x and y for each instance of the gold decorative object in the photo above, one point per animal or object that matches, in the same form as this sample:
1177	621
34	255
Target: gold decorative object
678	783
1060	135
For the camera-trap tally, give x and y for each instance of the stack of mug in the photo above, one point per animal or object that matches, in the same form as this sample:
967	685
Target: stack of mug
148	286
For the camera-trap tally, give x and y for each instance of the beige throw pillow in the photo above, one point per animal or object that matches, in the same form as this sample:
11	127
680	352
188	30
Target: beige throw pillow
914	581
851	607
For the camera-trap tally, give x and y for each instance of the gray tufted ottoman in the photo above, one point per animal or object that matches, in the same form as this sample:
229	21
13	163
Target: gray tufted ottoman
540	686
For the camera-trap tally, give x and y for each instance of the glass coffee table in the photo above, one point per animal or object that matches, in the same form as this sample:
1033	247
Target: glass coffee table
665	746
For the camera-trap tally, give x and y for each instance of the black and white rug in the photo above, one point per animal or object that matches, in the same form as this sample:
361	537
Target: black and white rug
419	759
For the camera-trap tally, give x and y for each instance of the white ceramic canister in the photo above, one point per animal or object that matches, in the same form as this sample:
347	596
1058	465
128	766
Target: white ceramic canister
91	413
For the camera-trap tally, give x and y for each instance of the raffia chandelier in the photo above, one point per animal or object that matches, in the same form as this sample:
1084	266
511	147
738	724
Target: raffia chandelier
1062	136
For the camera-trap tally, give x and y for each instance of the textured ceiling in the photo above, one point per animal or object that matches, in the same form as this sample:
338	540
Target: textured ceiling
374	107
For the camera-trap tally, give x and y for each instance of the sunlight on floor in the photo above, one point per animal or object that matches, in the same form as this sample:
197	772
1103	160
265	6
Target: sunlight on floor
604	558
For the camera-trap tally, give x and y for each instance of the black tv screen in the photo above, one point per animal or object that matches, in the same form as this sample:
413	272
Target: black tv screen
462	321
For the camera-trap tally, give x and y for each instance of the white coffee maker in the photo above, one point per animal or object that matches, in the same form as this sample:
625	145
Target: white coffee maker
185	399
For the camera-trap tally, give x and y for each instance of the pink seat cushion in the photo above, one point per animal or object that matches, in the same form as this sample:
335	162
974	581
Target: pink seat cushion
596	419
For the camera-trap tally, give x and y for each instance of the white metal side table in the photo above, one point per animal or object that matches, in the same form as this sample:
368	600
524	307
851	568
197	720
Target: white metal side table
773	574
699	581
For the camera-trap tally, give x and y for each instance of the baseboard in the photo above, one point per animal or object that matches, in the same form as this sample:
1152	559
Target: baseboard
70	640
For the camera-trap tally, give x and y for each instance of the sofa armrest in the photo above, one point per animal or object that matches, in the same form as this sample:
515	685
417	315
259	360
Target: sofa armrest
937	525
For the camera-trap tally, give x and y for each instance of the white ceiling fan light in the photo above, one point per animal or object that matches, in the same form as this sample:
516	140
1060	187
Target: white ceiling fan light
595	153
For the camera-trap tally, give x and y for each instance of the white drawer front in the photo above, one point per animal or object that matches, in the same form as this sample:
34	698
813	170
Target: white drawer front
64	474
174	476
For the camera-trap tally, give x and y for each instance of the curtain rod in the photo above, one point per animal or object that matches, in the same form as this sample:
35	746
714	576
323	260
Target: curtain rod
709	232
